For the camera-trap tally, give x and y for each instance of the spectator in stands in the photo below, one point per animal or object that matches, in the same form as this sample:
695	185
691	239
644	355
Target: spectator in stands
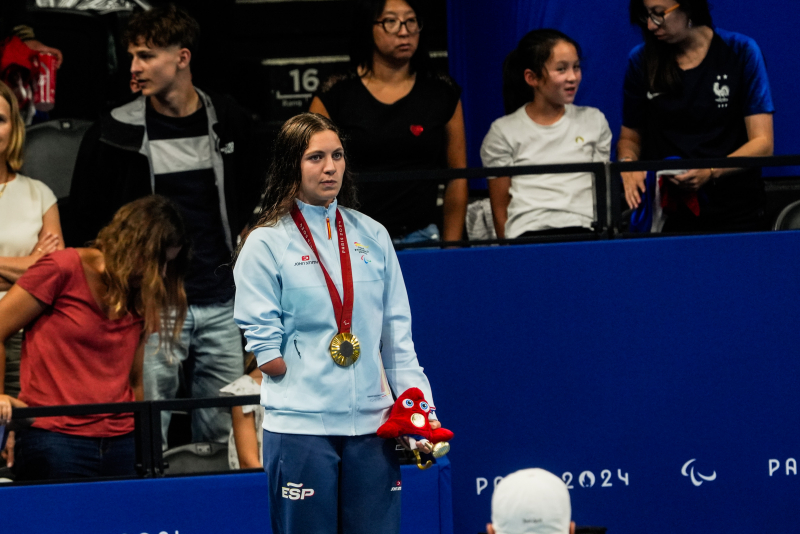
88	313
540	80
531	501
175	140
327	392
696	91
399	115
14	21
29	223
244	443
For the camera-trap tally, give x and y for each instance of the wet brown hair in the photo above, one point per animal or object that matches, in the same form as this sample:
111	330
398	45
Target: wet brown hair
285	174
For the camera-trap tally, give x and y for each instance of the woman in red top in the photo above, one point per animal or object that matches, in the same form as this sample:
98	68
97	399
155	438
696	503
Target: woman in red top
86	313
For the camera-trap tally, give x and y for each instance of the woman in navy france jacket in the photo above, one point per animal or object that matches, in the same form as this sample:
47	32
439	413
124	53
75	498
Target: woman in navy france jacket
325	393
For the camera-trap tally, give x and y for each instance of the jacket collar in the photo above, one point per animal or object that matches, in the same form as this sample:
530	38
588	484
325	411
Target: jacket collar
125	128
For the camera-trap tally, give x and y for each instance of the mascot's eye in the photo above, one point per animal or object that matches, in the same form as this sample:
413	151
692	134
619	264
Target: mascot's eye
424	406
408	403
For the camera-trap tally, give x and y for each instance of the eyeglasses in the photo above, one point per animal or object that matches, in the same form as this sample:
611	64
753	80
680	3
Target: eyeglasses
657	18
392	26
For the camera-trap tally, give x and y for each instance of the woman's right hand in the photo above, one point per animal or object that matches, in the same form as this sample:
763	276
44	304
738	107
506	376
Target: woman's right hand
47	243
5	409
633	183
8	453
276	367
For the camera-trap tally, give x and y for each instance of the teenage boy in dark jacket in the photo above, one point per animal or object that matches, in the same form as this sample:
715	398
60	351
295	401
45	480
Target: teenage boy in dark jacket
196	149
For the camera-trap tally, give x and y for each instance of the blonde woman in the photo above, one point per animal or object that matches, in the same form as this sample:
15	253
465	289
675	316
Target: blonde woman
29	223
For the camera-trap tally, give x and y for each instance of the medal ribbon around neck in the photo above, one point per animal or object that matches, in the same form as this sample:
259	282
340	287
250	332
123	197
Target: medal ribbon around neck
344	347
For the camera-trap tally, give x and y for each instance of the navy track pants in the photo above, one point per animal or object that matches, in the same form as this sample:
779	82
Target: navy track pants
332	484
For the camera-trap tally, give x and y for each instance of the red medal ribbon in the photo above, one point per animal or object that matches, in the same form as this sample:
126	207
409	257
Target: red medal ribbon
343	313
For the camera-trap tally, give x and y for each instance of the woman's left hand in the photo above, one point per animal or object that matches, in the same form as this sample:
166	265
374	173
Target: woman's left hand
693	179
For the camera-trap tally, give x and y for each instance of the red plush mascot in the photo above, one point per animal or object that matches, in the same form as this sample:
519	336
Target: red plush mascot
409	417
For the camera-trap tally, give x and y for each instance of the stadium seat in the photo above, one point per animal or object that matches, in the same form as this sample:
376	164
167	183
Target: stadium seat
196	458
51	149
788	218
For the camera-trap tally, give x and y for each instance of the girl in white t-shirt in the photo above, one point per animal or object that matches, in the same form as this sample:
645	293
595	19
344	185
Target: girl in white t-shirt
542	126
245	439
29	222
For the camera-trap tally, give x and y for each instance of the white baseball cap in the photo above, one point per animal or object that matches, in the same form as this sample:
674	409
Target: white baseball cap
531	501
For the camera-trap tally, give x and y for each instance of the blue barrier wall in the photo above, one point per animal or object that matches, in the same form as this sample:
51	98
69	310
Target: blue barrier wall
659	377
616	364
482	32
194	505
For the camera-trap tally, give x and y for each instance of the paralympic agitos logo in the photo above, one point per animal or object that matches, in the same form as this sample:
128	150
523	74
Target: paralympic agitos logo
691	474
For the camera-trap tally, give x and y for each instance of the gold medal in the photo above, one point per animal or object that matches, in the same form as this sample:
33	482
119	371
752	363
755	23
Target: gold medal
440	449
345	349
418	420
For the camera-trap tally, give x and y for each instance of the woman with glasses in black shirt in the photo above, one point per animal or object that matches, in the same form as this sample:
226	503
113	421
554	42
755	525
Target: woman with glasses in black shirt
695	91
399	115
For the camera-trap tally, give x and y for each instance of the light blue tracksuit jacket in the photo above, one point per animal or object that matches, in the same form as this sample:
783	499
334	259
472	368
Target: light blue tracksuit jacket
285	310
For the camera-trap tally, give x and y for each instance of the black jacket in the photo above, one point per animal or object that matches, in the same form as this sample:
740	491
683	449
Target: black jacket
113	168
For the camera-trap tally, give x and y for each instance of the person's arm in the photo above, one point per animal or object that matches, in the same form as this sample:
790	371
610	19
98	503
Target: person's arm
136	373
7	404
17	309
629	148
499	198
398	355
50	239
760	142
245	438
497	150
318	107
456	194
602	151
91	206
257	308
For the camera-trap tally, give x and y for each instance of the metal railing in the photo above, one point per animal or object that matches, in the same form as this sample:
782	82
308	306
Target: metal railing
607	189
147	420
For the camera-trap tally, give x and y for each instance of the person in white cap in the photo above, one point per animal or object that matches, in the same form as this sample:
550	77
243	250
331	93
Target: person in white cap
531	501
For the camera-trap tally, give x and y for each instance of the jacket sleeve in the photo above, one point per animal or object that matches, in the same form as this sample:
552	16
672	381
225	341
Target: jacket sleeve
399	357
602	151
88	209
257	307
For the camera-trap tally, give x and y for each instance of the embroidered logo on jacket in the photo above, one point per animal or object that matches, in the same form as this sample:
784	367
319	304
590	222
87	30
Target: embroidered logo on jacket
722	91
305	260
227	149
296	492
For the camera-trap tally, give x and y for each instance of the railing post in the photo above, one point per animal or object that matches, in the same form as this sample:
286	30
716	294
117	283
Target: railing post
143	425
611	226
156	439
